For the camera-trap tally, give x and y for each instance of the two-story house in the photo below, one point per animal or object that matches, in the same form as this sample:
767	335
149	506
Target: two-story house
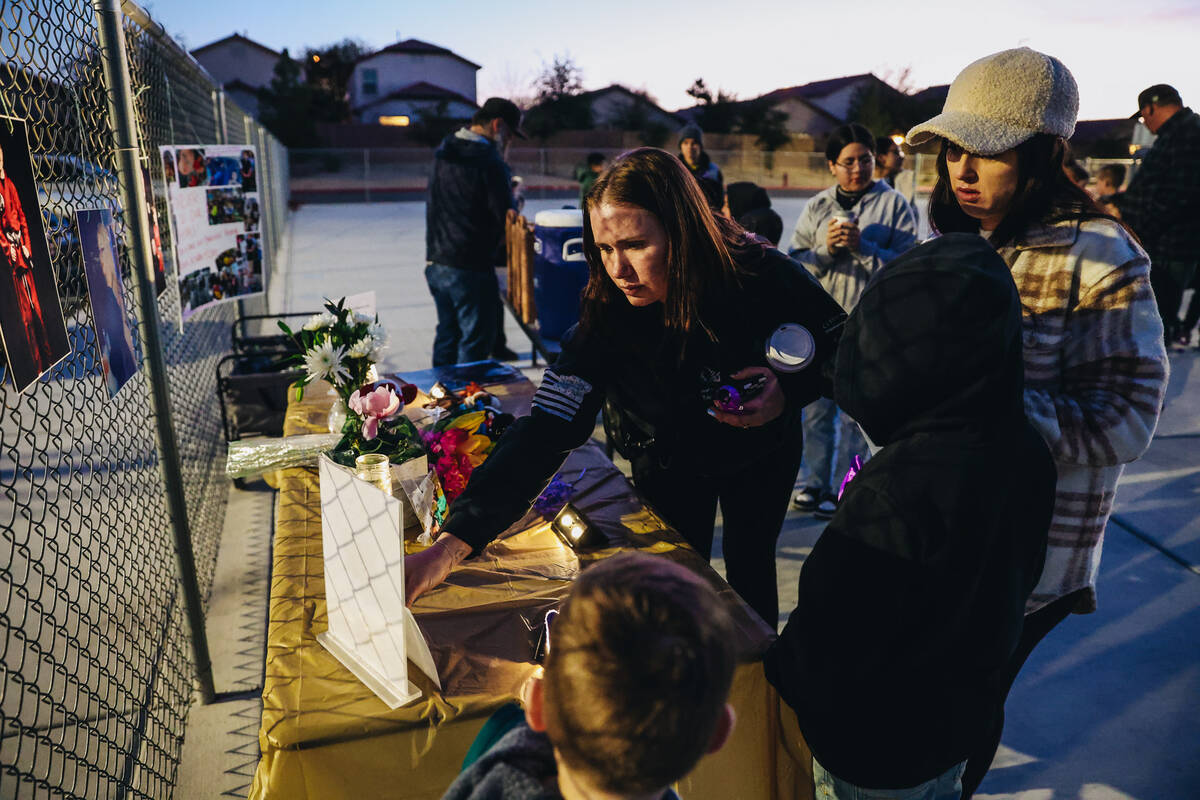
391	86
241	65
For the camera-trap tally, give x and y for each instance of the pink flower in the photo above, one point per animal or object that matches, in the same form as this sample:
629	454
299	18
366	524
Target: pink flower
374	406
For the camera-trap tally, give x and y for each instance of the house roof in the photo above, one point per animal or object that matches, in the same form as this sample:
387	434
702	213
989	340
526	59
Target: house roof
932	93
692	113
626	91
421	90
418	47
237	37
817	89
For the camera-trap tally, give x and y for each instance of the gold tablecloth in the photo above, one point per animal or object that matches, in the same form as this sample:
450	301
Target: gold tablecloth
325	735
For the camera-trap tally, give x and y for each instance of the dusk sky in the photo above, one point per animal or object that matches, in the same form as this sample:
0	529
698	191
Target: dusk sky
1115	49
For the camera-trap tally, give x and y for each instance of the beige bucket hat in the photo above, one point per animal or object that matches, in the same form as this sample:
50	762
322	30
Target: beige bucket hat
1000	101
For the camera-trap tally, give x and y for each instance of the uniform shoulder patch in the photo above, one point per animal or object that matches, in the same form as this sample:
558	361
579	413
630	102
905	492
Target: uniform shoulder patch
561	395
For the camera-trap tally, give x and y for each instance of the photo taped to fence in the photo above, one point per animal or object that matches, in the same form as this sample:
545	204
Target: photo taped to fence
32	327
156	252
110	312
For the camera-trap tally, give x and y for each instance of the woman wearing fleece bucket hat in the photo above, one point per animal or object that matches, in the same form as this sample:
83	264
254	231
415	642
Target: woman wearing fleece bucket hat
1095	366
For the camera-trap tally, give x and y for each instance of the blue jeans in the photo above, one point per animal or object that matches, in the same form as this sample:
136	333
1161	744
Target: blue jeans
467	310
828	431
947	786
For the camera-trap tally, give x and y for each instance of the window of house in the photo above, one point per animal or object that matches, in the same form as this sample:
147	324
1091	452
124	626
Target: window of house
370	81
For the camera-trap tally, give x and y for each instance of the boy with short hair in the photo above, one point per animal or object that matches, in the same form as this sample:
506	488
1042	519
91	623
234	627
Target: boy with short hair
912	600
632	695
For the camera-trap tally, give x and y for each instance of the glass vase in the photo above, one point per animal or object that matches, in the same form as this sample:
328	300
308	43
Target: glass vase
337	415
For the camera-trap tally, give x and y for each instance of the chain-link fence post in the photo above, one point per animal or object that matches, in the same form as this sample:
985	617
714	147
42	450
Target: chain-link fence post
367	174
120	96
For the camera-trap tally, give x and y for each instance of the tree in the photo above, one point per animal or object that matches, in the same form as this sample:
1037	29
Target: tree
286	106
635	116
767	124
716	114
558	79
327	72
434	124
560	107
885	108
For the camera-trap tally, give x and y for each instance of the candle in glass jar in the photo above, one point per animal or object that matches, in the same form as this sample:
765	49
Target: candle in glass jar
375	468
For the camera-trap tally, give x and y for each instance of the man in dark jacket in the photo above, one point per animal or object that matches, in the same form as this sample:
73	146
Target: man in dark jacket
912	599
470	192
706	173
1162	203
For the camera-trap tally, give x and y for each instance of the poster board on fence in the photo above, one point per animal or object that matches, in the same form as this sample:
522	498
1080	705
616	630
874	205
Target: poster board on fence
213	194
371	631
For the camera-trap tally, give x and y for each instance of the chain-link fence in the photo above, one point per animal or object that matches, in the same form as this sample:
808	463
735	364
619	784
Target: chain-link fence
97	670
340	175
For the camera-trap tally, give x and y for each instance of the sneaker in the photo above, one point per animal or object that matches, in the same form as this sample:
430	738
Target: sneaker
826	508
505	354
807	498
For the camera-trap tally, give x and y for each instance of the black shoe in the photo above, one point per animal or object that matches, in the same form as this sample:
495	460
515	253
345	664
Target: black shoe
807	498
505	354
826	508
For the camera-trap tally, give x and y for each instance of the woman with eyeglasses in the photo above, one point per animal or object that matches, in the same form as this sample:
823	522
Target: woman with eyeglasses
844	235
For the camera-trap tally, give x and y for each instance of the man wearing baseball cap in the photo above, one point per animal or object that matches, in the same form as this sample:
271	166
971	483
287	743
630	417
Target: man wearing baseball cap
1162	203
470	192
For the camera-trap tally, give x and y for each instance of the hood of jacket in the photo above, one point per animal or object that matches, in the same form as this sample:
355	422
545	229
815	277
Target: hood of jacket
934	343
466	147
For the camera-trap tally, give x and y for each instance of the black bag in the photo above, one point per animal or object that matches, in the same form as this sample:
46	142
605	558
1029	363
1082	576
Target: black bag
628	435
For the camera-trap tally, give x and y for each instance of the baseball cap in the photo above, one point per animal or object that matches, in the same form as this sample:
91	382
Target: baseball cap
498	107
1000	101
1159	93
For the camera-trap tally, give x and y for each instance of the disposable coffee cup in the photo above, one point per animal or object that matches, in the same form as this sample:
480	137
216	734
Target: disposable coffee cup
845	218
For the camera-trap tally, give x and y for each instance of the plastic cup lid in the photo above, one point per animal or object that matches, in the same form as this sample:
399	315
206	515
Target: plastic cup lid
559	218
790	348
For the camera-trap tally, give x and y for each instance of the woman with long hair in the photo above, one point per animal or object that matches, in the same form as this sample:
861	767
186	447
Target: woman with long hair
844	236
1095	367
679	301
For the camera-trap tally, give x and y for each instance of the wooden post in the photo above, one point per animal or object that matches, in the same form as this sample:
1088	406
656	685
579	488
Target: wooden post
528	307
510	219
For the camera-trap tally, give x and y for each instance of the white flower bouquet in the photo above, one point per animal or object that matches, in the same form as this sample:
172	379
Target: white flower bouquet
338	345
342	346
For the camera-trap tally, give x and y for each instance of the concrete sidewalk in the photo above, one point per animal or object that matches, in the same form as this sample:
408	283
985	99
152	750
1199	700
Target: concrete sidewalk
1107	707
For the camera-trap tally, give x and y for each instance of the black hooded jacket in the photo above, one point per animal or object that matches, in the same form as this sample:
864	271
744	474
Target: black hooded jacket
470	192
912	599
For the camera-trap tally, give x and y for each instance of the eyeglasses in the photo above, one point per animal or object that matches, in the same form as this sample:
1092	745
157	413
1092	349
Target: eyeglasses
862	161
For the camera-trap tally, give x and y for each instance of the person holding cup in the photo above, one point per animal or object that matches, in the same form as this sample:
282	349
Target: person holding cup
843	236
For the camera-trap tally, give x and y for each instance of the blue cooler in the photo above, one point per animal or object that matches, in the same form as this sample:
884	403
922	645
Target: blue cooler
559	269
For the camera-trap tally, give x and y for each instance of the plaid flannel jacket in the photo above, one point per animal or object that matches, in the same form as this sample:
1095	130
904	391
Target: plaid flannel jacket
1095	375
1163	200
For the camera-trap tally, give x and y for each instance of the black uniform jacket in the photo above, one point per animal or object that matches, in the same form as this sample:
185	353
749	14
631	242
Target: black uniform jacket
631	360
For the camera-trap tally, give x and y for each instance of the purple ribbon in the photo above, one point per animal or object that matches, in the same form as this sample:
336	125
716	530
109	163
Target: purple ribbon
855	465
